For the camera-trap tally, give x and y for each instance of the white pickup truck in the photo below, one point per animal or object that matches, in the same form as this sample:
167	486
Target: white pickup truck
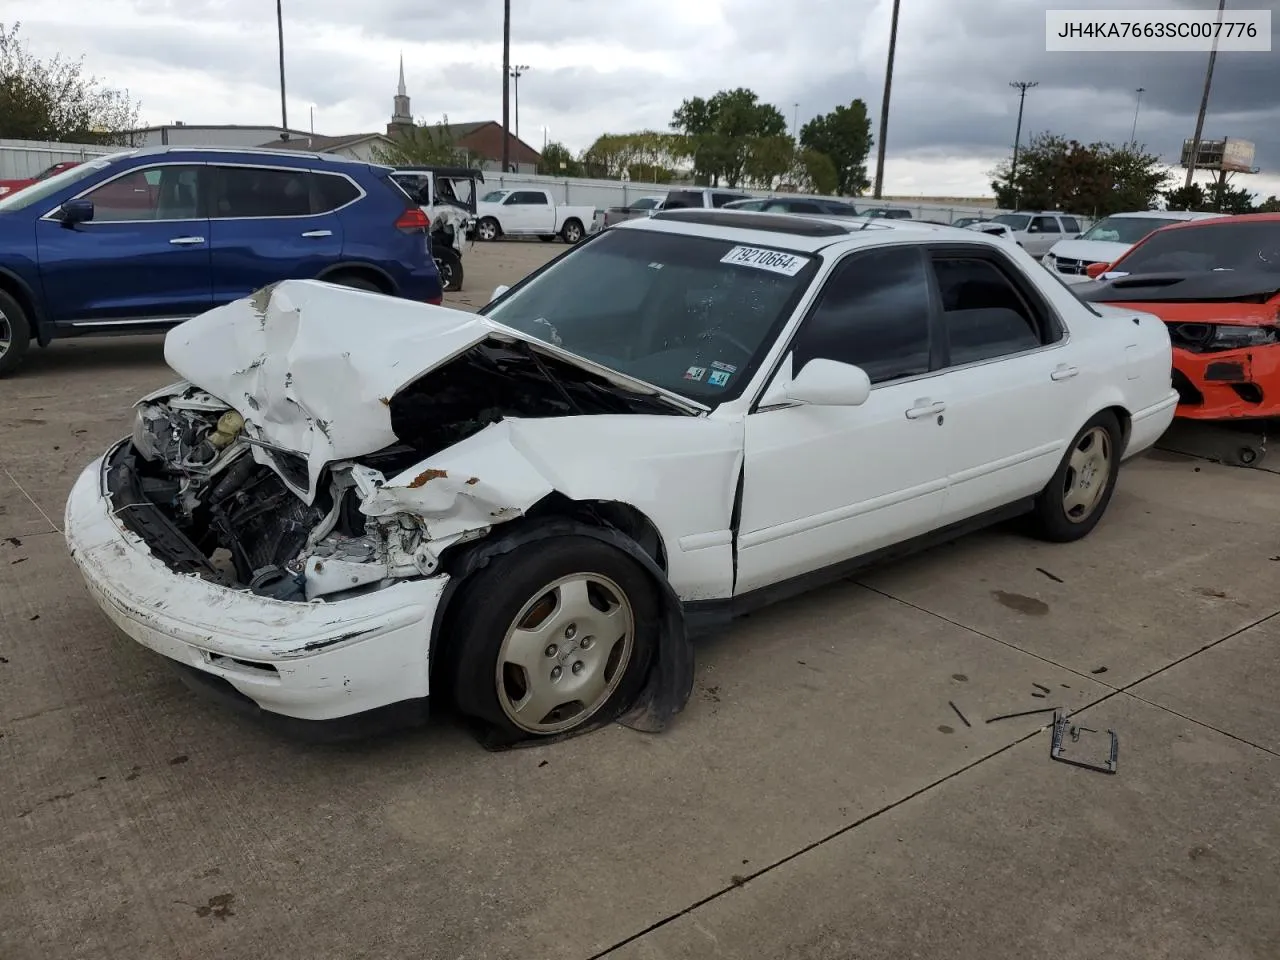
530	213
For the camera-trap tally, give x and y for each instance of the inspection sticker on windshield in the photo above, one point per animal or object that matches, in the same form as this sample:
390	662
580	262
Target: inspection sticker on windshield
718	378
695	373
772	260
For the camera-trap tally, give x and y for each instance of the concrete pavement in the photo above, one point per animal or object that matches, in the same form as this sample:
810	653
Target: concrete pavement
818	798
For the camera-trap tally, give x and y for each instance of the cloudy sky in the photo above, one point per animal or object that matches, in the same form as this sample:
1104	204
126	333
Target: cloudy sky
620	65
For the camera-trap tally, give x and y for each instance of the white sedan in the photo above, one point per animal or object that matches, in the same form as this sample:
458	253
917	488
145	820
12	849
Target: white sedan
353	501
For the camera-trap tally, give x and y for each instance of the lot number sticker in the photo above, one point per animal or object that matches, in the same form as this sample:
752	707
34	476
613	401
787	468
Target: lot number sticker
785	263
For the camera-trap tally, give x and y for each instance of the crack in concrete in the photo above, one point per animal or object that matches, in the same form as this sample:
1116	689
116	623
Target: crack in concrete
23	490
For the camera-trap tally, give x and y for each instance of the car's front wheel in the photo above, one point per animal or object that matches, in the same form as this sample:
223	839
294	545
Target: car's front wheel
552	635
488	229
15	333
1077	496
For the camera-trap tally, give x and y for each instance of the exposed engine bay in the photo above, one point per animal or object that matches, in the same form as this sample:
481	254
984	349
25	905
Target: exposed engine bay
213	500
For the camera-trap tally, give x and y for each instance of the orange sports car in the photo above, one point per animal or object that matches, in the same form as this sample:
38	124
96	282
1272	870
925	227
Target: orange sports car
1216	285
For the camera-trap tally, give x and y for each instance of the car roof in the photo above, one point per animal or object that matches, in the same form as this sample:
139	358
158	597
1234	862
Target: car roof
1166	215
806	233
266	153
1224	221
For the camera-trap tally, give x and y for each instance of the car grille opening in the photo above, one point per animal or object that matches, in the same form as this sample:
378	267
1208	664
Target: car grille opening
1188	395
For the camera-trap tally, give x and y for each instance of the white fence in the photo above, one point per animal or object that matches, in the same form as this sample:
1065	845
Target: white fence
615	193
20	159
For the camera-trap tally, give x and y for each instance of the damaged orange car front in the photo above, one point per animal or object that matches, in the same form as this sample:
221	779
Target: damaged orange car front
1216	285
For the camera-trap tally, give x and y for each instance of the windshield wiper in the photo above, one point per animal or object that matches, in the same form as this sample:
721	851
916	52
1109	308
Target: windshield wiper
550	377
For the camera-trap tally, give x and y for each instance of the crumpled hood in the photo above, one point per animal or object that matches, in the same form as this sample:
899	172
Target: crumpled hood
1090	251
312	366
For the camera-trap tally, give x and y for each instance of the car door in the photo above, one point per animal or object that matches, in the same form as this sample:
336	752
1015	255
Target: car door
531	212
142	258
1042	233
1014	397
268	224
822	484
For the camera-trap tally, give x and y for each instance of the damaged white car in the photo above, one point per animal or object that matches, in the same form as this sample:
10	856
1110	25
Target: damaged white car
354	502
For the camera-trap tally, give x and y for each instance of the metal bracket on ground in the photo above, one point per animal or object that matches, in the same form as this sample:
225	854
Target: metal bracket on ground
1066	745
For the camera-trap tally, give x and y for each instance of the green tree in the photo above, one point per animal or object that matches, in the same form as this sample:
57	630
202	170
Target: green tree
1096	179
769	160
557	161
1269	205
1216	197
720	133
54	99
817	173
422	145
844	136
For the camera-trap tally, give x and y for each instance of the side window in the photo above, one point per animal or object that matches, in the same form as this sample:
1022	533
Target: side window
1045	225
332	192
157	193
873	312
245	192
798	206
529	198
720	199
1070	225
983	313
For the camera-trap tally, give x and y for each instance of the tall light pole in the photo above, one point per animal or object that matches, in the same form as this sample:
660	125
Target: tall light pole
506	86
1204	101
1133	136
1022	86
284	110
795	123
884	106
516	74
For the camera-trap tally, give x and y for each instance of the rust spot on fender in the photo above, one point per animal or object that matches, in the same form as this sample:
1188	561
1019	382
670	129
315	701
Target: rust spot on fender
425	477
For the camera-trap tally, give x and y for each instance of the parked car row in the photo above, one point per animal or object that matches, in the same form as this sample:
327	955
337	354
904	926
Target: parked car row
527	512
142	240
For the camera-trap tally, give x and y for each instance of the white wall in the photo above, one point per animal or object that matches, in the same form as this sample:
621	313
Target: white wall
20	159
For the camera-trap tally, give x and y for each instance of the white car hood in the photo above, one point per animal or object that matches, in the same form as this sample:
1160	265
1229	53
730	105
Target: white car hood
312	367
1092	251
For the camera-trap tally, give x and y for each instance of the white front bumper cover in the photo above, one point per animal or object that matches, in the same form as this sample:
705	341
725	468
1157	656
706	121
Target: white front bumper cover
310	661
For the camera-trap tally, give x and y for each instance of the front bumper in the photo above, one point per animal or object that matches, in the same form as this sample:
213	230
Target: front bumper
310	661
1228	384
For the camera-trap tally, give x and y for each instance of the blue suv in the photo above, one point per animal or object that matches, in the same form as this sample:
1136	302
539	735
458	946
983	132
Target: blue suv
142	240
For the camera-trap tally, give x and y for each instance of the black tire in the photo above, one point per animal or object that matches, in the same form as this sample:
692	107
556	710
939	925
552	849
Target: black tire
490	226
355	282
492	599
449	264
15	333
572	231
1053	521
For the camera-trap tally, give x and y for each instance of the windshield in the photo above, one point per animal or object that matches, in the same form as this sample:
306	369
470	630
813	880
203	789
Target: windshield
1017	221
1213	246
692	315
494	196
51	185
1124	229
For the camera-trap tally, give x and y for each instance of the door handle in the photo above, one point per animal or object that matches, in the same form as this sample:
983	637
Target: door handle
925	408
318	233
1064	372
186	241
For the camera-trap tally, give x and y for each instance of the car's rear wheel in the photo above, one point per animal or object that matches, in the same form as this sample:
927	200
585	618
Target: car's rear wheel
355	281
572	232
553	635
1073	502
15	333
488	229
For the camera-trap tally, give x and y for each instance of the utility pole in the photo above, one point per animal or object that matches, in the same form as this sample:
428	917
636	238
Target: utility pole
1204	101
795	123
516	74
284	110
1133	136
884	106
1022	86
506	86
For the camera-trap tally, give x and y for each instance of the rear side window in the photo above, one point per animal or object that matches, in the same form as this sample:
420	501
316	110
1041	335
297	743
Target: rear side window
841	209
720	199
244	192
331	192
984	314
683	199
873	312
1071	224
796	206
1045	225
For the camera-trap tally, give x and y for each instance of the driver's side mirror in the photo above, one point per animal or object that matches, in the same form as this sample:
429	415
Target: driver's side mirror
499	291
829	383
1094	270
75	211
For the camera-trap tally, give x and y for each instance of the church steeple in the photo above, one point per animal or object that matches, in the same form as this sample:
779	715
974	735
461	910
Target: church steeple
402	114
